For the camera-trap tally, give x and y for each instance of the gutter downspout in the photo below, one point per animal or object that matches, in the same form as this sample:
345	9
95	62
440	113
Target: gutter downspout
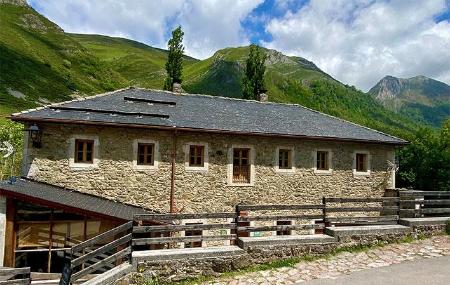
172	182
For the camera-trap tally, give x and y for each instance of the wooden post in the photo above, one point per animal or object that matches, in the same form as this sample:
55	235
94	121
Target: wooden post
50	243
10	234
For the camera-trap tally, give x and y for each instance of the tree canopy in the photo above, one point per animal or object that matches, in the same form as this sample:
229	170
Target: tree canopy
253	80
425	163
174	64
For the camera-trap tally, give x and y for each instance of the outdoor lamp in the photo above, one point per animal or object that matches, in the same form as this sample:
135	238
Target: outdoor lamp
35	133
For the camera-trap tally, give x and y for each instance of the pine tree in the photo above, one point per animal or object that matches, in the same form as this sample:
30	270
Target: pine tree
253	80
174	64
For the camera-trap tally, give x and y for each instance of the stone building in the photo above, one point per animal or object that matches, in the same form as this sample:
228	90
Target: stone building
138	150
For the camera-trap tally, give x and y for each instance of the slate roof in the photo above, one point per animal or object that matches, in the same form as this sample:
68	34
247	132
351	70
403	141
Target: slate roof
47	193
162	109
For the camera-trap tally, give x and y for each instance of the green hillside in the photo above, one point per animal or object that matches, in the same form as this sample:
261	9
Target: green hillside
294	80
39	63
420	98
139	64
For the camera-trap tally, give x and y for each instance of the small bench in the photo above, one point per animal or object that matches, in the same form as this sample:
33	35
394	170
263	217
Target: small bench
186	253
366	230
429	221
286	240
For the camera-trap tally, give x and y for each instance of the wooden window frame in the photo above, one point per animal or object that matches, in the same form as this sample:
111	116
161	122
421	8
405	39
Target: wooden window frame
328	170
156	156
367	171
146	154
187	159
291	158
84	151
251	161
243	163
74	162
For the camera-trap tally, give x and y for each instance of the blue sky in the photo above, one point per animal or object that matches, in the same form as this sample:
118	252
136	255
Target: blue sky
356	41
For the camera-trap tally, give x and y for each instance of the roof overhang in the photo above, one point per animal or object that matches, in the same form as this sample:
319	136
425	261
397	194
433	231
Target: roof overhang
22	118
72	201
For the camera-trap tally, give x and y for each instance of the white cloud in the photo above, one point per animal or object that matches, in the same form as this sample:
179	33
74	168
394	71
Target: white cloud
358	42
208	24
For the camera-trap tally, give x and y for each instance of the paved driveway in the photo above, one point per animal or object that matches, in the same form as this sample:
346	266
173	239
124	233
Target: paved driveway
431	271
424	262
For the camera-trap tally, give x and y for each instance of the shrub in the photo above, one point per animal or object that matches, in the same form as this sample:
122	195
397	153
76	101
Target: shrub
447	228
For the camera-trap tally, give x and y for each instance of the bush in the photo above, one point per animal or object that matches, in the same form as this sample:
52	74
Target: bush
12	133
447	228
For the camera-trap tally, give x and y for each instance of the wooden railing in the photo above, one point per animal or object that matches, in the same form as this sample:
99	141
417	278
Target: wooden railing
166	229
361	211
15	276
250	213
424	203
99	254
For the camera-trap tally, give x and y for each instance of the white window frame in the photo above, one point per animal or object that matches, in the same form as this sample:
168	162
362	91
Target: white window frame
277	158
369	164
80	165
192	221
205	166
230	166
329	171
156	157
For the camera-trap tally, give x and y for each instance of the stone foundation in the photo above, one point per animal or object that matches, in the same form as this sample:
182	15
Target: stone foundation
180	269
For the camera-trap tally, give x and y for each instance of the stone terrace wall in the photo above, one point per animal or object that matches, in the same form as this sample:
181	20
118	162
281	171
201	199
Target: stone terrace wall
115	177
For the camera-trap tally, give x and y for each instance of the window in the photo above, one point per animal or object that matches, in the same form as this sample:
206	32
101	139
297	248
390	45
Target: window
361	162
284	232
322	160
284	159
146	154
190	233
196	155
241	165
84	151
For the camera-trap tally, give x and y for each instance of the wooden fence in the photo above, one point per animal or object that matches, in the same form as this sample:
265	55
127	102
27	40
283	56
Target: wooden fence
424	203
280	223
15	276
99	254
347	211
155	231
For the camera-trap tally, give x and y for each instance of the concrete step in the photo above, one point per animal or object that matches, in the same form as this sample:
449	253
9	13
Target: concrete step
366	230
428	221
286	240
110	276
185	253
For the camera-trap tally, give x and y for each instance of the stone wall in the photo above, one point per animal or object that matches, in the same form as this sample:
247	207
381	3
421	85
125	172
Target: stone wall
180	269
203	191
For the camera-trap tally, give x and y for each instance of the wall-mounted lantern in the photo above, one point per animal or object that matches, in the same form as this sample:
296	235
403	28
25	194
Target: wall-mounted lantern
35	134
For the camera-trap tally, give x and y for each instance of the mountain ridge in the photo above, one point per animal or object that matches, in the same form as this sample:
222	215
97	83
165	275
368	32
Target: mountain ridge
44	65
421	98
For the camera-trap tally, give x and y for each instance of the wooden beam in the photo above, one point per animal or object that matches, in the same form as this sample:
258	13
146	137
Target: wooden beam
175	228
280	217
90	242
168	217
147	241
10	233
278	207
